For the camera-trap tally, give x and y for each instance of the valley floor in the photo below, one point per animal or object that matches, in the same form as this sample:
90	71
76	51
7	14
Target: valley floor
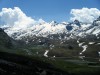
13	64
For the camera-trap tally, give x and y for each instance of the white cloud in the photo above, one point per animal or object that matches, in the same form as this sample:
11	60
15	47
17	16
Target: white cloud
85	14
15	17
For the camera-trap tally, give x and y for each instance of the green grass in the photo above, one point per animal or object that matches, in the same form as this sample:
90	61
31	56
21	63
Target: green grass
70	67
76	69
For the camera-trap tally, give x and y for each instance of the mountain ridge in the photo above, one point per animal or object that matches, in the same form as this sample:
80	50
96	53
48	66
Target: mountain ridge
44	29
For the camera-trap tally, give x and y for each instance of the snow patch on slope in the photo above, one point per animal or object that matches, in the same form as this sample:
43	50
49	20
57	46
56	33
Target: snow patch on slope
91	43
80	44
84	49
46	52
83	46
99	53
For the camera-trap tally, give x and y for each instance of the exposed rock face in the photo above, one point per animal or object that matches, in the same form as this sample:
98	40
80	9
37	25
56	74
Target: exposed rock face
5	40
77	22
69	27
96	22
98	18
1	30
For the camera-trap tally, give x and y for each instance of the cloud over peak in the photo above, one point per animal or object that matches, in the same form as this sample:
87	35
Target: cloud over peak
15	17
85	14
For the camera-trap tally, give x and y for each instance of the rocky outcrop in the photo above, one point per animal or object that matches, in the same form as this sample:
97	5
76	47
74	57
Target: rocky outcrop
95	22
5	40
77	22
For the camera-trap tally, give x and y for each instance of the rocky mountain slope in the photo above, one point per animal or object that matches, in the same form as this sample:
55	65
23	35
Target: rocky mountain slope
5	40
15	64
54	39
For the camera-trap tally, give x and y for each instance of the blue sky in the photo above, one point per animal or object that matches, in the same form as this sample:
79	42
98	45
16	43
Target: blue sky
49	10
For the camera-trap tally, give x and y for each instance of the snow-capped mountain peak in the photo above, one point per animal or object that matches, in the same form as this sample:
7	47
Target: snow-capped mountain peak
19	25
42	28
